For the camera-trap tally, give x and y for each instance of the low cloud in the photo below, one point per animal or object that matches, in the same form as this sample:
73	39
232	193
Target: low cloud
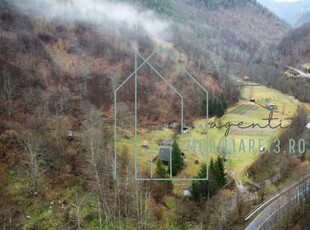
94	11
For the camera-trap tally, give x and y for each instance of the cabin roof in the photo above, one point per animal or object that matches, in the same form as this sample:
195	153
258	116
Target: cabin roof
164	154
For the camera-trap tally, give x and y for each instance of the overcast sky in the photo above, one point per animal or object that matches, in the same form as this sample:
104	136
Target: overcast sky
286	0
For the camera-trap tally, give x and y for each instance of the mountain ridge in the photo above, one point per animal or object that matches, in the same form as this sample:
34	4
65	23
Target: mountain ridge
292	12
59	68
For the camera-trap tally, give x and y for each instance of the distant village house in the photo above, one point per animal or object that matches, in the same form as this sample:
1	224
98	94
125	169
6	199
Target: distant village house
246	78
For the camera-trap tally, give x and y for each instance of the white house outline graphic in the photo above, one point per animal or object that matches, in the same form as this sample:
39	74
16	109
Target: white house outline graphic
160	49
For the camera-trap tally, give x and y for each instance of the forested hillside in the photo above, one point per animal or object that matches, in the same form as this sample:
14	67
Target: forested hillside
293	50
60	62
216	43
304	18
293	12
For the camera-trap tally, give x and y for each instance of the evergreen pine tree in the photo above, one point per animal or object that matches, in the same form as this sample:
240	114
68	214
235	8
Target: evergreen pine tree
223	101
165	186
177	159
219	109
160	170
211	106
216	179
221	175
216	106
200	188
212	165
212	176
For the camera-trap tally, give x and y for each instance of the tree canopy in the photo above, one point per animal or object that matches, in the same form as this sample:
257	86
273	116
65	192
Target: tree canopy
216	179
216	106
177	159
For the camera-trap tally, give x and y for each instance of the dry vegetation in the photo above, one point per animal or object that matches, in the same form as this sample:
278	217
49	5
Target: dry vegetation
57	78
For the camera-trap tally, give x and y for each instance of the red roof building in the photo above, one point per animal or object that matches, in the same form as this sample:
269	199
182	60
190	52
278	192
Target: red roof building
246	78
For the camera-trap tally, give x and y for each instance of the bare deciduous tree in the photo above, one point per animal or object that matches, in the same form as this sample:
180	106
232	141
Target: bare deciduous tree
34	159
118	200
221	213
8	91
240	205
99	171
115	77
93	116
78	214
124	115
60	101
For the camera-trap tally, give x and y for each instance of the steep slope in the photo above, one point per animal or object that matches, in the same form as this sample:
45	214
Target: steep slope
291	51
304	18
95	51
292	12
224	38
61	60
294	49
224	29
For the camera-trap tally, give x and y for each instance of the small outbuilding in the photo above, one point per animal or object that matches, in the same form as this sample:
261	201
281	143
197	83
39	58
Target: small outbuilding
246	78
70	136
187	190
165	142
261	149
145	145
163	155
185	130
271	106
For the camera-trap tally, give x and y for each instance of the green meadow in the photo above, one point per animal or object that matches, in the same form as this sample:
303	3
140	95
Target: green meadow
197	144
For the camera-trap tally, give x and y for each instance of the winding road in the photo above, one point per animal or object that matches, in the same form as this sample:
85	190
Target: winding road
288	198
301	73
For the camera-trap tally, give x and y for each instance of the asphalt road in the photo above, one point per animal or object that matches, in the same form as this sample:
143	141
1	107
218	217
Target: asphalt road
287	199
301	73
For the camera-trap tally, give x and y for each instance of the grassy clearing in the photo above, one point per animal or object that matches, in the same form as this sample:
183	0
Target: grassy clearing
306	65
238	160
287	105
243	109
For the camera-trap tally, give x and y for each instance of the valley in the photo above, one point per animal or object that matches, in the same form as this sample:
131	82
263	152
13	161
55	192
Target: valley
70	156
237	162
